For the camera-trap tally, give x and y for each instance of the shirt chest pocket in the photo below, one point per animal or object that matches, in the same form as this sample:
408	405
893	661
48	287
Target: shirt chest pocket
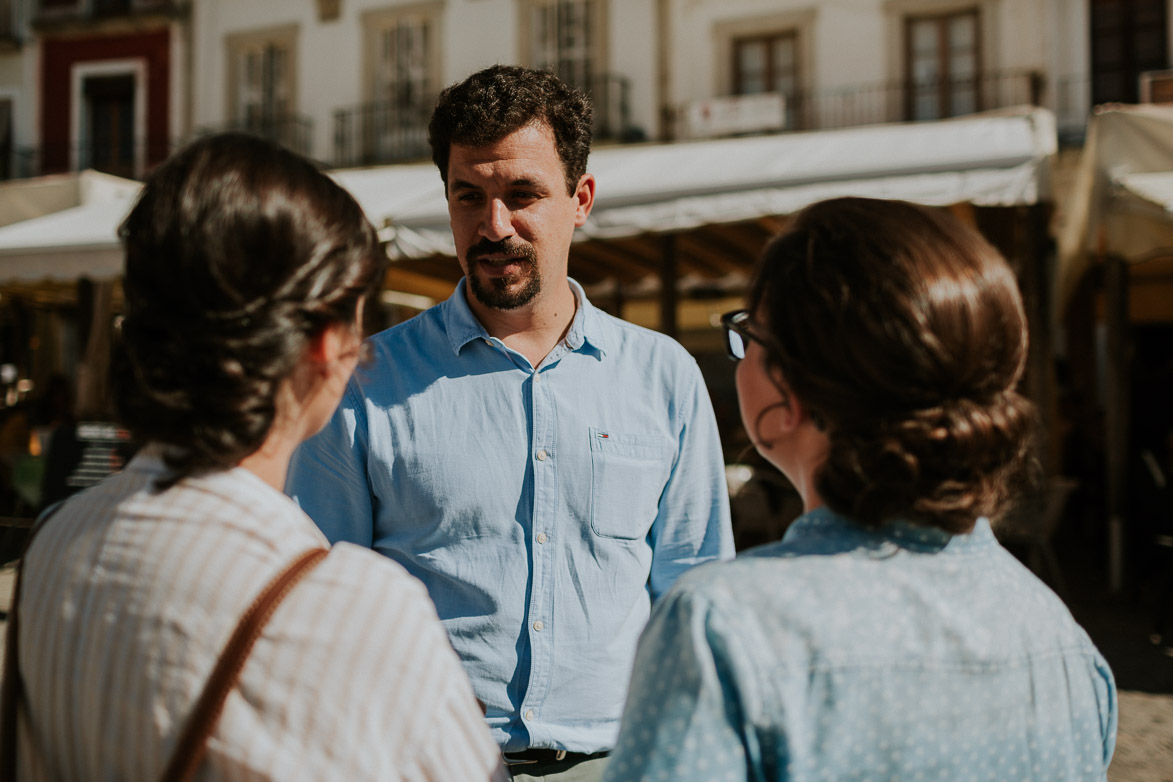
628	473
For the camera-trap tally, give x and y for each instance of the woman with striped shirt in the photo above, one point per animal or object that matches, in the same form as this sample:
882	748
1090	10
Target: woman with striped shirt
246	271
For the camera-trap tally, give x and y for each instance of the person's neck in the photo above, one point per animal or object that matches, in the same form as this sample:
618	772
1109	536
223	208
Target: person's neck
270	462
533	330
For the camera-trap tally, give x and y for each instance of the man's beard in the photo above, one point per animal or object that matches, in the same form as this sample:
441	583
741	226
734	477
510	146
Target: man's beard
500	292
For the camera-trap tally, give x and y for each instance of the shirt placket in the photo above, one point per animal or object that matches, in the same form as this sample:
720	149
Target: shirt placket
540	622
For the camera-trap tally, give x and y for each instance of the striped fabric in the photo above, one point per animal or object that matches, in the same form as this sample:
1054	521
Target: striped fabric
130	594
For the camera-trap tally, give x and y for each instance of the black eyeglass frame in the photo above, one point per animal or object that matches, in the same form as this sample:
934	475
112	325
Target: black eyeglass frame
737	334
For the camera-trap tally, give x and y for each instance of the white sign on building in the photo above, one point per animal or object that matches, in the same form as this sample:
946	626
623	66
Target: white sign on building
734	114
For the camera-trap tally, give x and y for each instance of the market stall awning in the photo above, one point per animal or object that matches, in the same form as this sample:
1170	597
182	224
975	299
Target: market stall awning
726	194
1122	202
1120	215
996	159
63	227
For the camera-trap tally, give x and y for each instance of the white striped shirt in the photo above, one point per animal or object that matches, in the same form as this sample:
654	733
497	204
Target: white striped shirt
129	596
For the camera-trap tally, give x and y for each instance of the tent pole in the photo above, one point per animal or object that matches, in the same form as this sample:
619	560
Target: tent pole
1034	248
668	295
1116	413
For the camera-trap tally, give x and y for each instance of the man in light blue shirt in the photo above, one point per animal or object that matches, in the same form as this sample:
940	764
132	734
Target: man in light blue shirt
545	469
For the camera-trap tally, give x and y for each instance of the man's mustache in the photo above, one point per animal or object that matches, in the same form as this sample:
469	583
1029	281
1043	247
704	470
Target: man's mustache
502	247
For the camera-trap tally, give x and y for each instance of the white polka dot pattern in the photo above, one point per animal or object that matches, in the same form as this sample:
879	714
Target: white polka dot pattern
843	653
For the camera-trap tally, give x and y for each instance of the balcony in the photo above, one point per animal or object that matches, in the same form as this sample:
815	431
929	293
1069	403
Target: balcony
898	102
53	13
376	133
380	133
292	131
611	96
121	157
901	101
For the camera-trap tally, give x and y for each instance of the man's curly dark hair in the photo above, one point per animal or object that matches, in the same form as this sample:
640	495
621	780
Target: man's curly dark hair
492	103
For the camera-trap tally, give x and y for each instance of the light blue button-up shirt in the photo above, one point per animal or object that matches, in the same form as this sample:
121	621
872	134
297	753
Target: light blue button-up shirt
844	653
544	508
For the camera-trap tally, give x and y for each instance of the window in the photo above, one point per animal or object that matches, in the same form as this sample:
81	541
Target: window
261	89
943	65
263	97
401	71
395	125
769	63
401	78
1128	37
566	37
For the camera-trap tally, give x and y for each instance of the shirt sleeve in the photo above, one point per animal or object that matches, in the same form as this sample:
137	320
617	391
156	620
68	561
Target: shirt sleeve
1105	685
693	524
328	477
683	716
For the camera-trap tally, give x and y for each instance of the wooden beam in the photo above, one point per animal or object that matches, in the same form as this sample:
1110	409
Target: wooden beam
408	281
720	255
598	260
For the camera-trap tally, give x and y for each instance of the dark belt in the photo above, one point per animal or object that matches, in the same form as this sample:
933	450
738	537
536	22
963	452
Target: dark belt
528	756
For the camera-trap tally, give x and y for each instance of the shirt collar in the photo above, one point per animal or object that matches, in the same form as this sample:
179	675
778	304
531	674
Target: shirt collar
462	326
825	524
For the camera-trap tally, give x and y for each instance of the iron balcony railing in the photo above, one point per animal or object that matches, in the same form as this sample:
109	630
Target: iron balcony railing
125	158
375	133
49	14
386	132
292	131
903	101
133	159
610	95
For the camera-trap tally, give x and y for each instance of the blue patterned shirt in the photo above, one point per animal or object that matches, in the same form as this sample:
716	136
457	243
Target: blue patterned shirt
843	653
544	508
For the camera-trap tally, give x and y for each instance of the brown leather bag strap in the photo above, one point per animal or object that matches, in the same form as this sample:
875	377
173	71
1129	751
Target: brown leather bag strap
193	741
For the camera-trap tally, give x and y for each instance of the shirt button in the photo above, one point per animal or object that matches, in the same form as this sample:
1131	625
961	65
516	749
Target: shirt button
542	537
489	342
529	715
542	455
539	625
537	378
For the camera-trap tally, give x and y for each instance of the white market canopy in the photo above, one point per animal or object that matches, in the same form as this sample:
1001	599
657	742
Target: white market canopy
1122	203
995	159
1121	216
63	227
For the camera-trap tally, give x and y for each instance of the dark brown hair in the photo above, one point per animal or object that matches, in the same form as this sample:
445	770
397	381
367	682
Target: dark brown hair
489	105
904	332
237	252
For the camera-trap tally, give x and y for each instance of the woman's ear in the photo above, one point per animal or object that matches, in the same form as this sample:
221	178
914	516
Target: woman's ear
325	347
793	411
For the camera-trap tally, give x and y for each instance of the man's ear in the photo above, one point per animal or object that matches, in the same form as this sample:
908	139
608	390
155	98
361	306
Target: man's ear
585	196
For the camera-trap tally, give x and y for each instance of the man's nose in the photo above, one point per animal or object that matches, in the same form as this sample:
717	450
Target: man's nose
498	221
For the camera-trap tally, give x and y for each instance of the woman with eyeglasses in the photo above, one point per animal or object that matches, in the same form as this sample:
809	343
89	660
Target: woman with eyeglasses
887	635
